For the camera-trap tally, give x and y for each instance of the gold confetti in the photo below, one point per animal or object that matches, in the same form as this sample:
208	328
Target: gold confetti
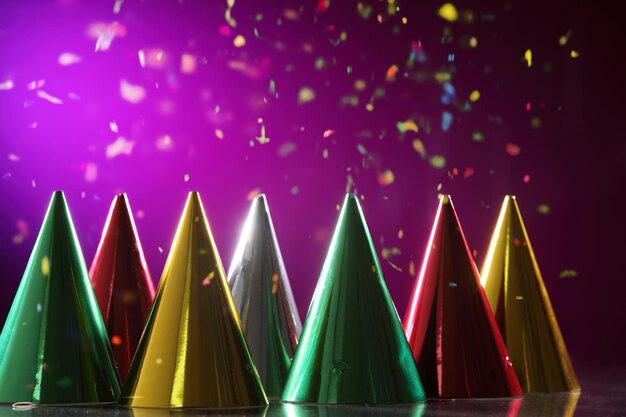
448	12
475	95
239	41
528	56
45	266
386	178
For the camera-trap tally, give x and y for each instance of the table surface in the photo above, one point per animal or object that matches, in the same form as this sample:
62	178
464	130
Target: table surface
603	394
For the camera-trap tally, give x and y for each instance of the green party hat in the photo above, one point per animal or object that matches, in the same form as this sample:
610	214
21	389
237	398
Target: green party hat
54	348
353	348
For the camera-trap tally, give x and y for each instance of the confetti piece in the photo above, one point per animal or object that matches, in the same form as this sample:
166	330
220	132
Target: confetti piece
407	126
219	134
419	148
36	84
116	340
394	266
262	139
91	172
45	266
294	190
387	253
253	193
117	6
305	95
448	12
412	268
188	63
360	85
275	280
565	38
513	149
386	178
228	14
478	136
207	280
543	209
535	122
322	6
526	179
121	146
6	85
22	232
574	54
528	57
186	178
239	41
68	58
400	234
13	157
325	154
286	148
142	58
446	121
473	42
132	93
474	96
164	143
328	133
45	96
438	161
568	273
468	172
390	75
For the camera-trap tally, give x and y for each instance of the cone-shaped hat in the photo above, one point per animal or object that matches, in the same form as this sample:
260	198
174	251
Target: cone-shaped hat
122	283
451	330
263	297
193	352
54	347
522	307
353	349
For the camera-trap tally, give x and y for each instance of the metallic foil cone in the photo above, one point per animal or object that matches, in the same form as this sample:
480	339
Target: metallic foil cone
451	330
193	352
122	283
353	349
263	297
54	347
522	307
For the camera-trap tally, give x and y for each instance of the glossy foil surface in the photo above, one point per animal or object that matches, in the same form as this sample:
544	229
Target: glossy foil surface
262	294
449	325
522	307
122	283
54	347
353	348
193	352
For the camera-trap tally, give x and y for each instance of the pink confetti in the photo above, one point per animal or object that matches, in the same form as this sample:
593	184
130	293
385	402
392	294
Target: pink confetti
526	179
121	146
68	58
224	30
132	93
328	133
36	84
45	96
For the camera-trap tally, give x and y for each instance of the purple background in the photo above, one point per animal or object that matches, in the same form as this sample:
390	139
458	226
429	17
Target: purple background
572	158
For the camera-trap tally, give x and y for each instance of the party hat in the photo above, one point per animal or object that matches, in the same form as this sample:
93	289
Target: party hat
353	349
54	347
451	330
122	283
522	307
193	352
263	297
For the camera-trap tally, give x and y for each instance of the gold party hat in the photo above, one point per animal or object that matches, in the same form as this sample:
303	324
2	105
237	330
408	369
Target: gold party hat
521	305
193	352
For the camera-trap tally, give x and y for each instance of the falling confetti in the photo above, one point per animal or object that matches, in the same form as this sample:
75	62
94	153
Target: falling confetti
386	178
448	12
239	41
121	146
45	96
305	95
438	161
132	93
407	126
543	209
568	273
68	58
513	149
528	57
